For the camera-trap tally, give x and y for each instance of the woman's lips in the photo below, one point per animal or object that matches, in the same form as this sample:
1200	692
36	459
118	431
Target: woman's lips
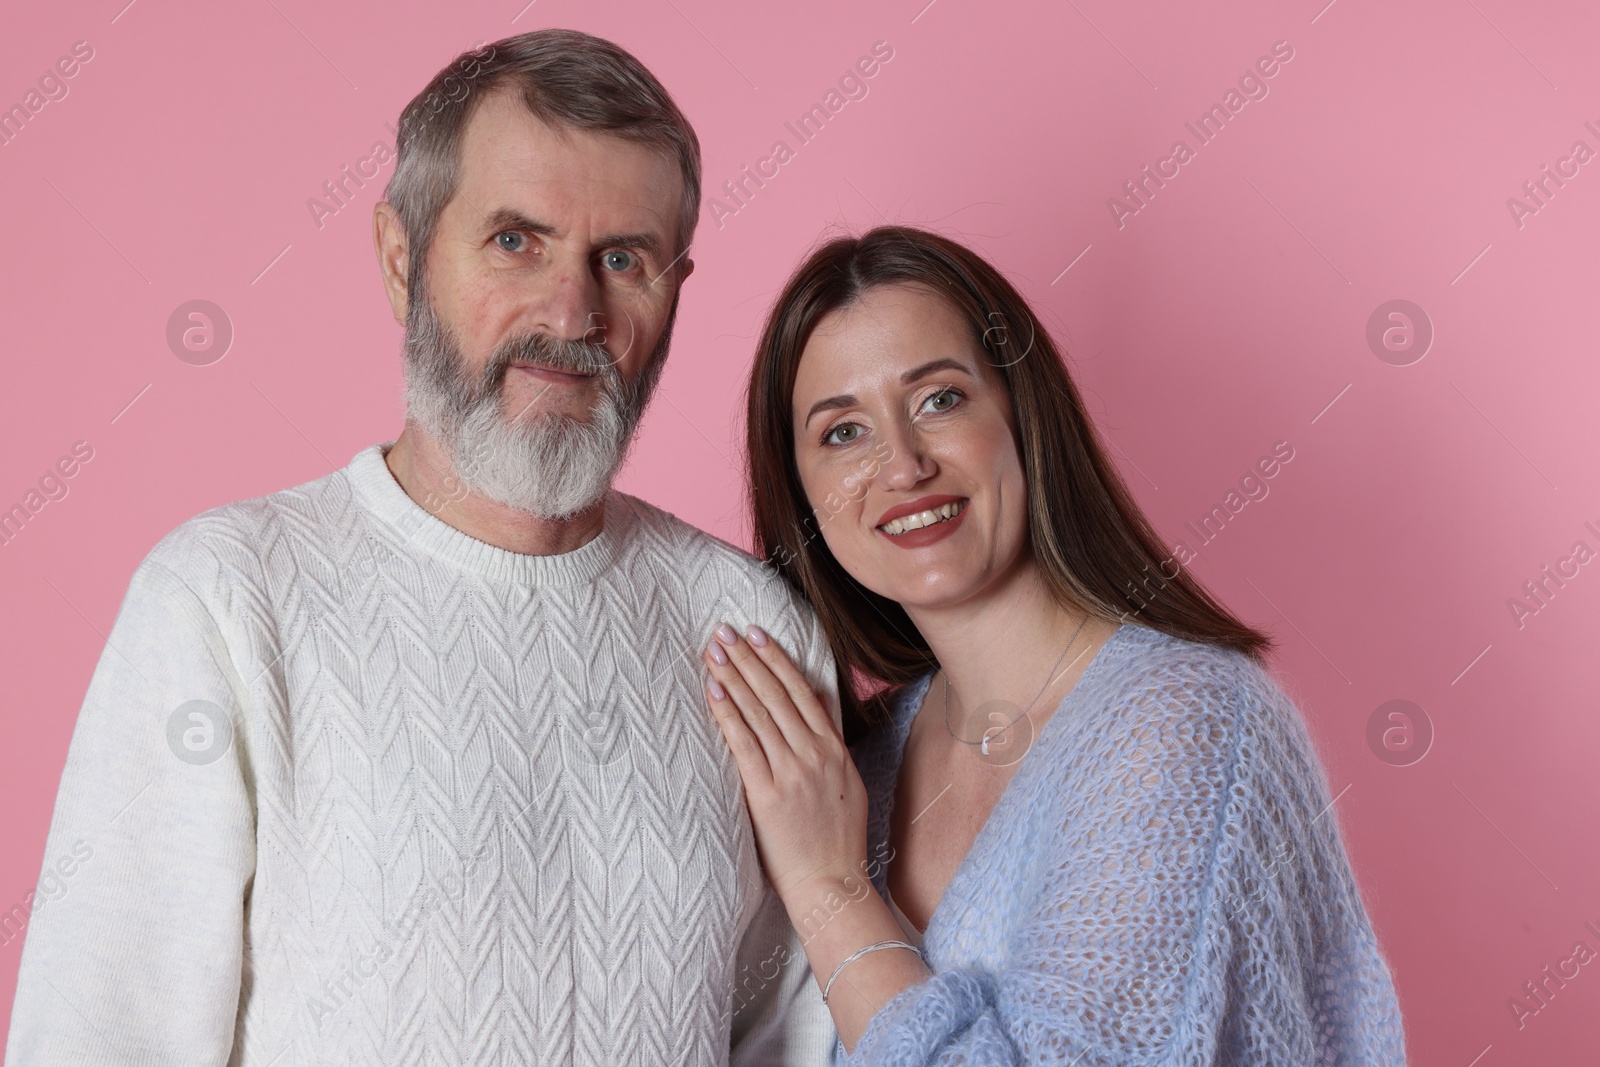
922	503
929	525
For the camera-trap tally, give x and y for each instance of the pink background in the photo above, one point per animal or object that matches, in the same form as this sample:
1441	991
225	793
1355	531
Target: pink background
1224	317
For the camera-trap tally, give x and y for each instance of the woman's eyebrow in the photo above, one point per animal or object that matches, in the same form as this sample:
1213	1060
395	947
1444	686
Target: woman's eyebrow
846	400
832	403
928	368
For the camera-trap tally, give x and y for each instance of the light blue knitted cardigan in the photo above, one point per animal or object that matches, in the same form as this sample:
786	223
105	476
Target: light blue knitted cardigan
1162	882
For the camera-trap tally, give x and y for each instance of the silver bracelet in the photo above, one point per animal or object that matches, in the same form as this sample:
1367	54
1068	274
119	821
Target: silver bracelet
856	955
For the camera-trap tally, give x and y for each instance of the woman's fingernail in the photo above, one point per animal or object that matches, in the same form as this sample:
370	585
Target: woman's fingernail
716	690
726	635
756	635
717	655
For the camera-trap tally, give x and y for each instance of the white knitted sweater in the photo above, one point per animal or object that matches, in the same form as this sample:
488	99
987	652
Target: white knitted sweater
356	788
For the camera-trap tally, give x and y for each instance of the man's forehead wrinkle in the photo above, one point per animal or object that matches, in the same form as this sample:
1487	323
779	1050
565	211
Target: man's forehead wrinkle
575	181
587	183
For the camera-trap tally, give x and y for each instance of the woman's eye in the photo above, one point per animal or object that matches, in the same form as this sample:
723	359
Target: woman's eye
943	400
842	434
618	260
509	241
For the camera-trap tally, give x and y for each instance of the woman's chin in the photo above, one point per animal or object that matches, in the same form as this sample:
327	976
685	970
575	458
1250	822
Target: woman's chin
934	590
945	575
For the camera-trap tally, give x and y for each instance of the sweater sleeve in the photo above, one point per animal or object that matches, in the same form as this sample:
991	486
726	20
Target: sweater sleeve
134	947
779	1018
1191	904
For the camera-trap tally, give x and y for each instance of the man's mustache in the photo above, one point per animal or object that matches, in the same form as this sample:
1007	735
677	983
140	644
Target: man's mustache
578	357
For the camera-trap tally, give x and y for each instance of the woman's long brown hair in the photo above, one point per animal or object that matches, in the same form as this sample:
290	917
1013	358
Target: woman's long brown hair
1095	548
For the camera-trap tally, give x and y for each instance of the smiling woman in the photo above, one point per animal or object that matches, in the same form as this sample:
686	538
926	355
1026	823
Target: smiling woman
893	286
1134	858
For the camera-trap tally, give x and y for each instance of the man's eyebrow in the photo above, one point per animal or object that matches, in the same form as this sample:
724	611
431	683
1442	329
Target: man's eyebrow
511	219
644	242
506	218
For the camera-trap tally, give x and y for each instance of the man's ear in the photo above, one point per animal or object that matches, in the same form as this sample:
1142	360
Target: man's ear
688	269
394	260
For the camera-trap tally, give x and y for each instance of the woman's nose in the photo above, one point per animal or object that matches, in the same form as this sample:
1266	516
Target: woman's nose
906	465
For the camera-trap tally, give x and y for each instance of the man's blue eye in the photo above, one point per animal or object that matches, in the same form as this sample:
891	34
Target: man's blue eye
618	260
508	240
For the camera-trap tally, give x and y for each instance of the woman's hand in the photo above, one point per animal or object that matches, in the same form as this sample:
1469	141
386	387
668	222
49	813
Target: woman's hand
807	803
809	811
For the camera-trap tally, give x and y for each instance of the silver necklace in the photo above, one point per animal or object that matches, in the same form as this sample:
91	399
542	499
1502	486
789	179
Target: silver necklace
996	731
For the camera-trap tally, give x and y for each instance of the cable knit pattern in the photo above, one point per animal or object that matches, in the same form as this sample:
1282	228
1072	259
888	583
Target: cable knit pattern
1161	883
474	809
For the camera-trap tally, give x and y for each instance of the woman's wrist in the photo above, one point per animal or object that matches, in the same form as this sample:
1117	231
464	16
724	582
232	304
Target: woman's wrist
835	919
827	892
877	946
822	891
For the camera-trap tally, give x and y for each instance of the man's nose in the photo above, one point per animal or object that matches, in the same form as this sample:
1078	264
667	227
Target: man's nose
569	304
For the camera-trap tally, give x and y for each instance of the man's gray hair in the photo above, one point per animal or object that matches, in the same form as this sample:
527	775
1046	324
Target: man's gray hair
566	79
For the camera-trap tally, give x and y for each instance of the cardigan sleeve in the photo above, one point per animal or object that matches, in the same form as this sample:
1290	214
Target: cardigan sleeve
134	950
1190	903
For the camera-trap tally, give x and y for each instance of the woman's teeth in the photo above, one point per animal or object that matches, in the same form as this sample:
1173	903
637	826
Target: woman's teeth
907	523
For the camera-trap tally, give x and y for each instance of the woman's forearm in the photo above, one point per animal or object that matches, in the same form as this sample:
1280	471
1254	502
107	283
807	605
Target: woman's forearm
866	984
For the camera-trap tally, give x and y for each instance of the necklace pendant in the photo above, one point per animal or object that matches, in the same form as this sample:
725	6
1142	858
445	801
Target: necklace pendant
984	747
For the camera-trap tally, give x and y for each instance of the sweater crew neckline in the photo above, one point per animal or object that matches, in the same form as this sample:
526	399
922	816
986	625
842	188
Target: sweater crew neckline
377	489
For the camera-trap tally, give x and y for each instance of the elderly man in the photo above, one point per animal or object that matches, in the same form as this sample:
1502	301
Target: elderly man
411	763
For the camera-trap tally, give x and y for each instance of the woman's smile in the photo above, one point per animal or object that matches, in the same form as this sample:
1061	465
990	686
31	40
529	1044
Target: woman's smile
923	521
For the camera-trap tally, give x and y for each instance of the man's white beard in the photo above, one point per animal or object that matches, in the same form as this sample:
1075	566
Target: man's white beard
549	464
